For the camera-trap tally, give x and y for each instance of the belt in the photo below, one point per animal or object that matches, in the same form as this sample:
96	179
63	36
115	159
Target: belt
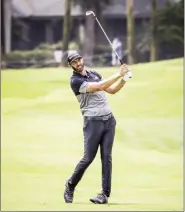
104	118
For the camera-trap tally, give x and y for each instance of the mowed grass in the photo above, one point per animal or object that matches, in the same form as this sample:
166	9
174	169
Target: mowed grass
42	140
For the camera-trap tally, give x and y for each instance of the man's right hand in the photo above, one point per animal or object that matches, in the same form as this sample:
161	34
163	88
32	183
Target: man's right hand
123	70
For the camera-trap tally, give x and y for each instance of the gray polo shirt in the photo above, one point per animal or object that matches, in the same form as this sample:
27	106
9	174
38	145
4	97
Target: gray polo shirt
91	104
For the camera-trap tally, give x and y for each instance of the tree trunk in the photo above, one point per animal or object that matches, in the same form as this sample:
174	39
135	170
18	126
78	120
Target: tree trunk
66	30
2	27
89	41
81	34
7	25
153	46
130	31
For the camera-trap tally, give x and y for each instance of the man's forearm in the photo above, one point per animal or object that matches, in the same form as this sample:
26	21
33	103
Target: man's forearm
104	84
114	88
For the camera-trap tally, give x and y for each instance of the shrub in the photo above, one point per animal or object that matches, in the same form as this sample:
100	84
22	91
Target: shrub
99	49
22	59
51	47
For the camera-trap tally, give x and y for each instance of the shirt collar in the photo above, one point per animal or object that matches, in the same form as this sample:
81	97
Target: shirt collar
78	74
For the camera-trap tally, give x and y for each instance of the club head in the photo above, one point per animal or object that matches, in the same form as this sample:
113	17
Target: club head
89	13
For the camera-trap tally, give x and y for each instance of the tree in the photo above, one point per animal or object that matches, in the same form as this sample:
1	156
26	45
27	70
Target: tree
153	46
169	23
163	35
66	30
130	31
7	25
167	26
2	27
89	38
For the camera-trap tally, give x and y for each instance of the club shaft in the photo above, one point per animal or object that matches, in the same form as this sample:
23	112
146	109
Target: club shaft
104	32
129	73
109	40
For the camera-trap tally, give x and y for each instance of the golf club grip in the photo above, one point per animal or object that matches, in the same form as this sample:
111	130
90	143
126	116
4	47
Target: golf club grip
121	61
129	72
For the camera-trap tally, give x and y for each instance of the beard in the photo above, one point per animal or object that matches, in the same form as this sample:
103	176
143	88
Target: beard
79	69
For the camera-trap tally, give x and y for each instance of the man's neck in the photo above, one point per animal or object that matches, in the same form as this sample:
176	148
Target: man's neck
84	72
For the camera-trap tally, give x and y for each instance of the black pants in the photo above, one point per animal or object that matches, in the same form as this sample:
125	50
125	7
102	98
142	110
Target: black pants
97	133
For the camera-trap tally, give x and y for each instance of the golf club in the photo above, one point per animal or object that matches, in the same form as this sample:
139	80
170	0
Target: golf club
92	13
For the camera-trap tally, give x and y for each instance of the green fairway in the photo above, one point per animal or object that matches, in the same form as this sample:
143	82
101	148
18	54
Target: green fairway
42	140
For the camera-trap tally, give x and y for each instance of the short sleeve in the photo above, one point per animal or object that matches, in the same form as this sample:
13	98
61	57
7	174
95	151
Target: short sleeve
78	85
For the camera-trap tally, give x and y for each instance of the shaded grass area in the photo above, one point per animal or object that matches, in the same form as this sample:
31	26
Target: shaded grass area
42	140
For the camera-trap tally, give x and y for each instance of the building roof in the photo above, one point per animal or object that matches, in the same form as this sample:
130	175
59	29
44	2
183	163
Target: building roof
20	8
48	8
42	8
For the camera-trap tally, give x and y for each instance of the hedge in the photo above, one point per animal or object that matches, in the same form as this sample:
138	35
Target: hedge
52	47
23	59
43	55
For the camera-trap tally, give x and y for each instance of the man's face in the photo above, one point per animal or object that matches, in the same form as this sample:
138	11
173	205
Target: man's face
78	64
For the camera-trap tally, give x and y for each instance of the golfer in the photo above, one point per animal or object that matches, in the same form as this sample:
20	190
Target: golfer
99	122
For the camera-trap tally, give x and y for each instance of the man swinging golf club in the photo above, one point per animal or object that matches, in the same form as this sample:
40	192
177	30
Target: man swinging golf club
99	122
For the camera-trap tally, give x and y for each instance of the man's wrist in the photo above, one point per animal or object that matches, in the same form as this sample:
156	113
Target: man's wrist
118	75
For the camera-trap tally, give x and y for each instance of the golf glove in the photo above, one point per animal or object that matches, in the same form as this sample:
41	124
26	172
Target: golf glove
127	76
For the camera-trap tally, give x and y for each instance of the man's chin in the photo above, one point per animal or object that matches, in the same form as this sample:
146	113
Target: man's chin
80	70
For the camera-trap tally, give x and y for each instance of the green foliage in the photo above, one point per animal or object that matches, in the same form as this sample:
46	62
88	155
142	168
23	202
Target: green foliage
35	55
101	51
24	59
73	46
169	23
46	46
167	26
42	53
100	48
